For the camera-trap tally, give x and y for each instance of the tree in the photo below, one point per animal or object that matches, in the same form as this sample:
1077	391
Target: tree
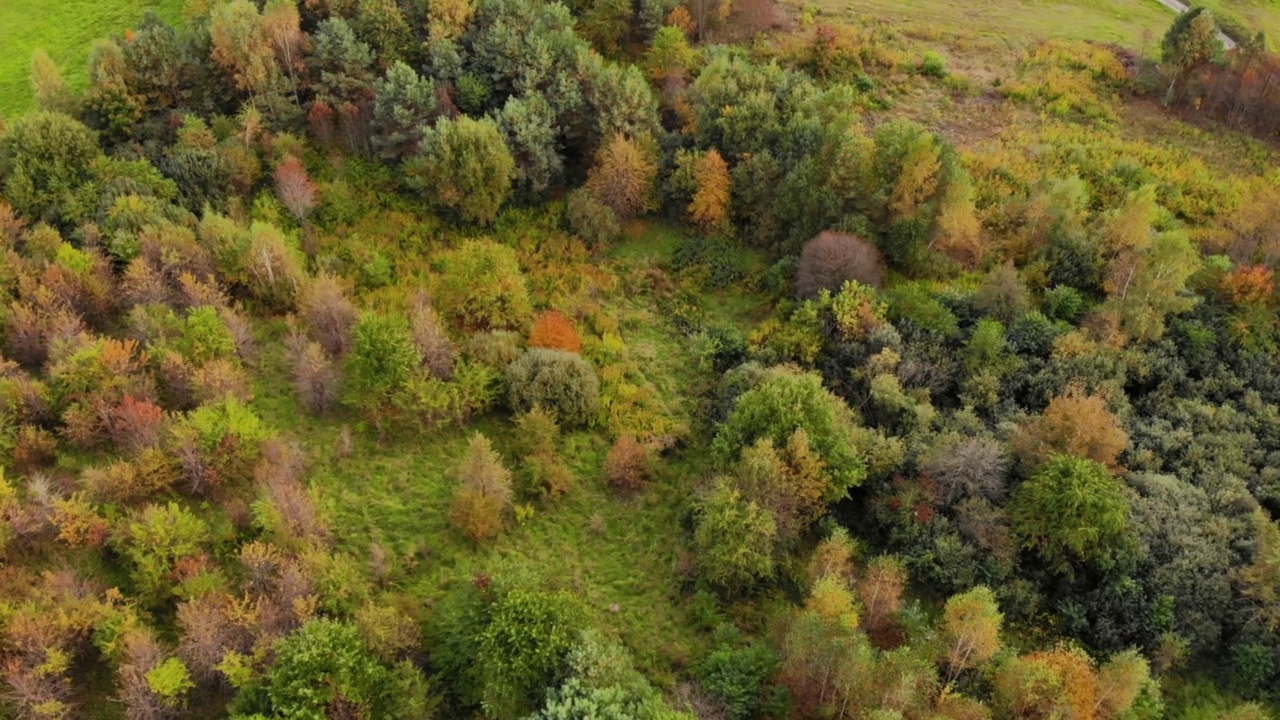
242	47
45	158
971	629
669	55
1071	510
831	259
734	539
623	177
880	588
382	360
1190	41
294	187
529	125
784	401
483	501
1260	579
154	540
52	94
709	208
1074	423
591	219
281	23
557	381
524	649
554	331
403	113
1121	680
482	287
627	466
464	164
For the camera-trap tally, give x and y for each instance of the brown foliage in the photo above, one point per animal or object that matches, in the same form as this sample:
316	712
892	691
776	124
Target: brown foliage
218	379
143	284
833	258
328	314
135	424
142	653
438	351
279	477
623	176
33	448
315	377
294	187
880	588
212	624
627	466
1074	424
554	331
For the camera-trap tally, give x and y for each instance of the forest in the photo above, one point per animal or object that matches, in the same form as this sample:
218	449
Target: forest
639	360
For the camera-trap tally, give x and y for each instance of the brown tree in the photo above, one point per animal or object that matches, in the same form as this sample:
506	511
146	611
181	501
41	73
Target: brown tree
554	331
623	176
294	187
627	465
1073	424
832	258
328	314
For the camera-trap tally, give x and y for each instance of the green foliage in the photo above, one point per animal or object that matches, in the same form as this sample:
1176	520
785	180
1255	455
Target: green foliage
383	359
405	106
525	648
783	401
45	159
481	287
1072	510
154	540
555	380
465	165
170	680
735	540
736	678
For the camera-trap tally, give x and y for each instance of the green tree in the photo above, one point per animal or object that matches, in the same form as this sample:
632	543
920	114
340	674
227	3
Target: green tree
483	500
529	125
524	649
154	540
52	94
786	400
1072	510
735	539
464	165
403	112
382	360
558	381
45	158
1190	41
971	624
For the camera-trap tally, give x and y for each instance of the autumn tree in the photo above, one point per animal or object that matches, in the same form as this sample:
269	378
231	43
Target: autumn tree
831	259
483	499
242	47
627	465
709	208
465	165
1076	424
52	94
281	23
294	187
327	313
482	287
554	331
1190	41
623	176
971	624
880	588
1072	510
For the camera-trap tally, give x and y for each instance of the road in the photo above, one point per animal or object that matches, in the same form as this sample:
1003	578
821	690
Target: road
1180	7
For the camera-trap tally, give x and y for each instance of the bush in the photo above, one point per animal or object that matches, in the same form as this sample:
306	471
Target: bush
328	314
591	219
483	501
932	65
831	259
560	382
554	331
482	288
736	678
627	465
735	540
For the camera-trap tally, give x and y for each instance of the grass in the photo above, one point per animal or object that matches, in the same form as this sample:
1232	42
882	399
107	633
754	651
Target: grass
66	30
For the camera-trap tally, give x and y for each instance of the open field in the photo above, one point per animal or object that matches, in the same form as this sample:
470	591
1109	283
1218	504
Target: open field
66	30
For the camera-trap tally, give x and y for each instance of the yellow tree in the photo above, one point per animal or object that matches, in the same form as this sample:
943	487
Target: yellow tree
971	623
282	25
241	45
710	205
623	176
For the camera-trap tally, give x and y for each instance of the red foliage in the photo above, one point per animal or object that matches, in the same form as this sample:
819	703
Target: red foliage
555	331
320	120
295	188
135	424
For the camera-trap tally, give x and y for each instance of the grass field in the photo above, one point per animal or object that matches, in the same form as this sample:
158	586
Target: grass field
66	30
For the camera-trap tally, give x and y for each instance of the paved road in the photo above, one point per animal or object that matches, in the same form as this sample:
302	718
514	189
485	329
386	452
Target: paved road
1180	7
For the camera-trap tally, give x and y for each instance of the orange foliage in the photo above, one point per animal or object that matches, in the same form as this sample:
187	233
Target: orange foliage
710	205
1253	285
1074	424
554	331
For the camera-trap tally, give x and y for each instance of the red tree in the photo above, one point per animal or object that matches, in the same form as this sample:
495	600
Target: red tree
295	188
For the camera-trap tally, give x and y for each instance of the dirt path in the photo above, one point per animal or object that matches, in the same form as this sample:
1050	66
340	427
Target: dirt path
1180	7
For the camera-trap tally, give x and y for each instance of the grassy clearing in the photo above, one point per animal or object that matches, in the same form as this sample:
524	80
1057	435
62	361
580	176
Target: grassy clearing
66	30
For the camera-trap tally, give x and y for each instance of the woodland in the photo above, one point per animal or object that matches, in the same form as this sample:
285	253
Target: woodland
639	360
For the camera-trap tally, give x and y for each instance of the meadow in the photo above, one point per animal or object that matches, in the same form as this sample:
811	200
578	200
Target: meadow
66	30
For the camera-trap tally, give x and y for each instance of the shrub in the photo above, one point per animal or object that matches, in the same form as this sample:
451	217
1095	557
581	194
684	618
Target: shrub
315	378
328	314
438	351
560	382
382	361
831	259
932	65
465	164
736	677
591	219
554	331
481	287
627	465
536	439
273	267
734	540
483	501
